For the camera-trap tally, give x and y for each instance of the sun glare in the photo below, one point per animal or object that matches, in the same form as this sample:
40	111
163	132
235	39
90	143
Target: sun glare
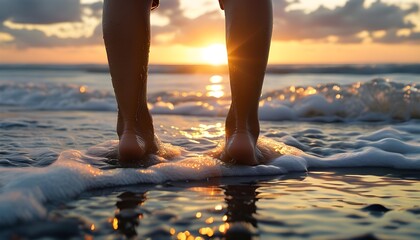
215	54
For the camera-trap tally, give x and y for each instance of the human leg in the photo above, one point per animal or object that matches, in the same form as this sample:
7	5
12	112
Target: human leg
248	36
126	27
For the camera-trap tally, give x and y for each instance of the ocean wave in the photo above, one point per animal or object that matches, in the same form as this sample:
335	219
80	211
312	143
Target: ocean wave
375	100
51	96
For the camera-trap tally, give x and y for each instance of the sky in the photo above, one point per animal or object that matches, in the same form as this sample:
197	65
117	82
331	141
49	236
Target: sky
192	31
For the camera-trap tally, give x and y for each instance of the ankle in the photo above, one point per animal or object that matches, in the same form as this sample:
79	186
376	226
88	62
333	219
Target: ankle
251	130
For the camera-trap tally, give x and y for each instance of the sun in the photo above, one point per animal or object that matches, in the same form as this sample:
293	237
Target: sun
214	54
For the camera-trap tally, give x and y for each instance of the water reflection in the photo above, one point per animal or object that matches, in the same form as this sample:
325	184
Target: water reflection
215	89
241	208
207	131
238	218
233	215
289	206
128	217
241	203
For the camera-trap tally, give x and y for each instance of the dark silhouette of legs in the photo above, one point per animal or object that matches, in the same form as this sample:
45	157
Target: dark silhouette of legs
248	36
126	27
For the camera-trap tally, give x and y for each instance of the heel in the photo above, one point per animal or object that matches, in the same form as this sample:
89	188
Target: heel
131	149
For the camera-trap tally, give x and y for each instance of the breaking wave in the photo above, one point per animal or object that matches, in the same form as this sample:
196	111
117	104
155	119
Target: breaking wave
376	100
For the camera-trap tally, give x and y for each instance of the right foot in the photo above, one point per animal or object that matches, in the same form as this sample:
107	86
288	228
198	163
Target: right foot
241	144
241	149
134	145
131	148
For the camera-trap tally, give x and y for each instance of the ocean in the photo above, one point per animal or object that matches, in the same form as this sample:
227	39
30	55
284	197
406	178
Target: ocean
342	148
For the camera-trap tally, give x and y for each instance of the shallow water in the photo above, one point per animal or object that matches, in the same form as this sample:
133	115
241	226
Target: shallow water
341	204
342	160
324	203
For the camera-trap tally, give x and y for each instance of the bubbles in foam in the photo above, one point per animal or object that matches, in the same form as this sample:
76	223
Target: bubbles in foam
27	189
378	99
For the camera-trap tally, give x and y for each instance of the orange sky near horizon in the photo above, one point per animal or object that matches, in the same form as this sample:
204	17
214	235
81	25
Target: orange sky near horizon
293	51
281	53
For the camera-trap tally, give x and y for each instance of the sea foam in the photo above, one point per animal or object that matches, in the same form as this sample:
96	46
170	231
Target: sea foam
25	191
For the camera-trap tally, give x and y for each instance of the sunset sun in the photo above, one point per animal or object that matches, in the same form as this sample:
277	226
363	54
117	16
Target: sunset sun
214	54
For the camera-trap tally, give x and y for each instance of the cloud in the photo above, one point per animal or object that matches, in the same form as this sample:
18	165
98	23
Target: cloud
343	22
43	23
392	37
354	22
202	30
40	11
24	38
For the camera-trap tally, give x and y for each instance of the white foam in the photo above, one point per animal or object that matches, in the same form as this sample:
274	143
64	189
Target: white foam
381	134
396	146
25	191
368	157
276	111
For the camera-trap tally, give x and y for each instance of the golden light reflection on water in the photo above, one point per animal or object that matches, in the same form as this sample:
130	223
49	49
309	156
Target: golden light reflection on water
82	89
216	79
115	223
212	225
218	207
208	191
294	93
208	131
186	235
310	91
336	88
300	91
215	89
292	88
206	231
224	227
209	220
236	205
216	221
94	171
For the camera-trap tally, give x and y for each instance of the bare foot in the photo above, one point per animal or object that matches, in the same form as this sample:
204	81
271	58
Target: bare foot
134	145
131	148
240	149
